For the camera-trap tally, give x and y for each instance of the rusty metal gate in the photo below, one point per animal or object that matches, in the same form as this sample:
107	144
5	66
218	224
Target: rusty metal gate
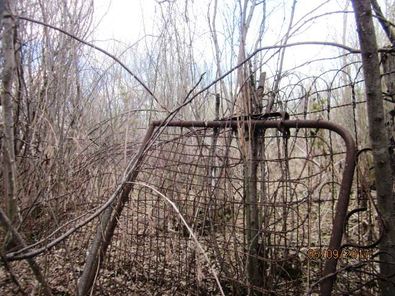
206	217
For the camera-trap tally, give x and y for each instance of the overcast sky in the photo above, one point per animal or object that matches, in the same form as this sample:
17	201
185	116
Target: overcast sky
124	20
128	20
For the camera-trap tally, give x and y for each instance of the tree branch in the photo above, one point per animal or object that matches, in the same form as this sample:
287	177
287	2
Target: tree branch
94	47
383	22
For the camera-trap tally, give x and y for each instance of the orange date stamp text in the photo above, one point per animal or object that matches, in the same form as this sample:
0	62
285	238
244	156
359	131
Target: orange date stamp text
342	254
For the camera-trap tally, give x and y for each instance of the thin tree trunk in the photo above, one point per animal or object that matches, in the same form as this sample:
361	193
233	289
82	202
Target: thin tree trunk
108	222
8	160
388	62
277	80
379	141
224	93
10	218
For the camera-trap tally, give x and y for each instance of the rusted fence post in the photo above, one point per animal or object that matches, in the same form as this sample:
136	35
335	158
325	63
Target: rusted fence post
252	210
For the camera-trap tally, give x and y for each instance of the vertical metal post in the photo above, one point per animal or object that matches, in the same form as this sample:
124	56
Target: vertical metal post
252	209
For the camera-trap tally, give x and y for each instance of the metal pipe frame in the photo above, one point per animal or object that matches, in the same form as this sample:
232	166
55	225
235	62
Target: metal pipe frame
329	273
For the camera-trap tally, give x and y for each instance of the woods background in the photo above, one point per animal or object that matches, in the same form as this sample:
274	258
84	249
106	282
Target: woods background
75	111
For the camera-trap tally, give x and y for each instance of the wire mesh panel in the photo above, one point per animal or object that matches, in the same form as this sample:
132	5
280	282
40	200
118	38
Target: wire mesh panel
204	208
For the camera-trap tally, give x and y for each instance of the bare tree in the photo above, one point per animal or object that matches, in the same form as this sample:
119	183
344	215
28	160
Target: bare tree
379	141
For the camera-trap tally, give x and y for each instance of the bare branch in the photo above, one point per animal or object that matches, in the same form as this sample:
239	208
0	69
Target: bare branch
94	47
385	24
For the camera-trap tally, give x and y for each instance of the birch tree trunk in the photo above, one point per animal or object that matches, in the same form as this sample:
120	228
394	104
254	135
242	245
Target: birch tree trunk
379	141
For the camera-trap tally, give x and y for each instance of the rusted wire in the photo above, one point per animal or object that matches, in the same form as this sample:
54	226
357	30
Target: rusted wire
178	166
